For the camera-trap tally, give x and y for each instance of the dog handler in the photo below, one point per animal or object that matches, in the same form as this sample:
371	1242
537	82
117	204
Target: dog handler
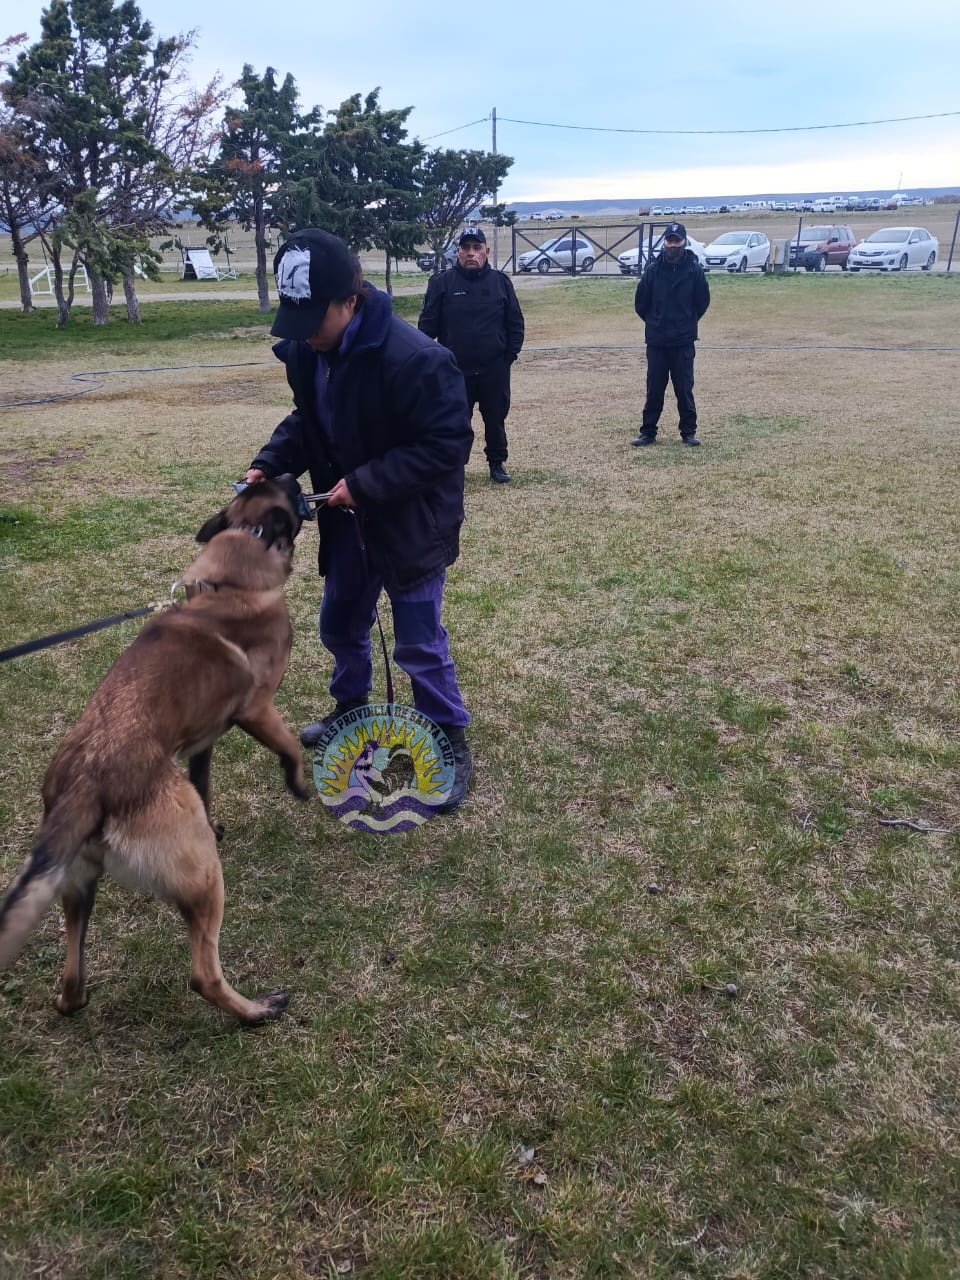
381	423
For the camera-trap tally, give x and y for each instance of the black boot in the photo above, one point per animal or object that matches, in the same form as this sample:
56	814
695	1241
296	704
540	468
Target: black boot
499	473
463	767
312	734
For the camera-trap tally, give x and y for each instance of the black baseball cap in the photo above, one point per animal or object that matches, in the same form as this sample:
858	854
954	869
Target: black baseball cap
675	229
313	268
472	233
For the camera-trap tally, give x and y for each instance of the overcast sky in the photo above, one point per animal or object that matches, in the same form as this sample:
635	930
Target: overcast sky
695	66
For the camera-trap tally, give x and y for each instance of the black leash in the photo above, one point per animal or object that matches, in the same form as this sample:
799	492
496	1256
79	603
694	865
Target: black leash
48	642
376	612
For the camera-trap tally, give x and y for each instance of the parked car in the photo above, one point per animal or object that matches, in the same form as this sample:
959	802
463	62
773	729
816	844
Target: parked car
738	251
895	249
819	247
425	261
629	261
558	253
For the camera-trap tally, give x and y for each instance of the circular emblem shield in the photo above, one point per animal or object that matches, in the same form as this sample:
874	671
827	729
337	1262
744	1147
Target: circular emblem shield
383	768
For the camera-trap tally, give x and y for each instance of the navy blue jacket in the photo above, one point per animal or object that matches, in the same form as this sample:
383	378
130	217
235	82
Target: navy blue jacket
399	435
670	299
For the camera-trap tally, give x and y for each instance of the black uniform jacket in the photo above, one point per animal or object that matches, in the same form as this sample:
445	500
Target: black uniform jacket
671	297
475	315
399	435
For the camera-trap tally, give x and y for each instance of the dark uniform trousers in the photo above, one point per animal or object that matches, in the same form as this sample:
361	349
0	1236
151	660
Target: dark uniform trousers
490	389
675	364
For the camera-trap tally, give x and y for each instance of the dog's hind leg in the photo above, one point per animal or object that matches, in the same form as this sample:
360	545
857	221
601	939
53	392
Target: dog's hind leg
194	881
263	722
198	768
78	900
202	908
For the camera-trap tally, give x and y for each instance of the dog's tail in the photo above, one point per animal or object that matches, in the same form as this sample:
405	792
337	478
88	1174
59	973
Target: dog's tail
41	878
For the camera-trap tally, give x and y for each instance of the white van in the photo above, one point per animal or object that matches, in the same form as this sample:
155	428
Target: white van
825	206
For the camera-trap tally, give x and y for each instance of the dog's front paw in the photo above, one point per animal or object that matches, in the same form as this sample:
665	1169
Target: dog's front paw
267	1007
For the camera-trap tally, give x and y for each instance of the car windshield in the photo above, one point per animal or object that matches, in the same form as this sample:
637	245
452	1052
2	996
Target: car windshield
814	233
733	237
889	235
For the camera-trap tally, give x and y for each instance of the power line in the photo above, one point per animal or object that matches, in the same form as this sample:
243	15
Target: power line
431	136
793	128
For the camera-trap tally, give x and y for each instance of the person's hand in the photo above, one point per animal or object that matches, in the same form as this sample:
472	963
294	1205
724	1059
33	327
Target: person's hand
255	475
340	496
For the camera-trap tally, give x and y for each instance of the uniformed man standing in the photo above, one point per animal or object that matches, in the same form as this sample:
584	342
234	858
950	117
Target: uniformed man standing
473	311
671	297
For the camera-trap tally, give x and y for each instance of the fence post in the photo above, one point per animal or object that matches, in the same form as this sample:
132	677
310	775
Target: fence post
953	242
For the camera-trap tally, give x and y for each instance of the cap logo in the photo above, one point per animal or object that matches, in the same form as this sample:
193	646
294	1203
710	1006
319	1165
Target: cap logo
293	276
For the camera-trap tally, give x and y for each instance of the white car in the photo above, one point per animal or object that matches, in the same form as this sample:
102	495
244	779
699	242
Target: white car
629	261
738	251
895	249
558	253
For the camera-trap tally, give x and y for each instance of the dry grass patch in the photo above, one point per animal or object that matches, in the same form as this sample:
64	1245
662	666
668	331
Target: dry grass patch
699	678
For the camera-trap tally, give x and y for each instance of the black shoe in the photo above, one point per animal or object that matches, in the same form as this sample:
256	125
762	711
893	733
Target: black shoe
642	441
691	442
312	734
463	768
499	473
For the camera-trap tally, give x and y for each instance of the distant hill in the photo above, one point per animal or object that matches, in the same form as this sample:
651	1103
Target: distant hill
613	207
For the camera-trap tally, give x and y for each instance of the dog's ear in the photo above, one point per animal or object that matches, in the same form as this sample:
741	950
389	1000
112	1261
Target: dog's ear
216	524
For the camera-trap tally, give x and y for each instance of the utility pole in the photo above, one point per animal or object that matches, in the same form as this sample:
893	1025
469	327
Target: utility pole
493	117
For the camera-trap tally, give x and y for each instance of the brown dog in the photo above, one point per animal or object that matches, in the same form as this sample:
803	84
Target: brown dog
115	800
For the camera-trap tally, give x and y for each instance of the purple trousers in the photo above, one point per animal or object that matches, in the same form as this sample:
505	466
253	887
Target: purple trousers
351	589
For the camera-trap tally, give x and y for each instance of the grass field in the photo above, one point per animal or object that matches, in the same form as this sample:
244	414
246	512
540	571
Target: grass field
701	681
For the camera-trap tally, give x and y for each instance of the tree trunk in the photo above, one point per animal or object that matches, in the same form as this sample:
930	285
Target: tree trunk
263	289
23	270
388	286
23	273
130	294
18	250
64	301
260	240
98	297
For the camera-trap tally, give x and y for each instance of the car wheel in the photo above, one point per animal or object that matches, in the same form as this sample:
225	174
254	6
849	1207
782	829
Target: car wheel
822	262
808	266
843	265
853	268
902	264
543	266
743	266
930	261
586	264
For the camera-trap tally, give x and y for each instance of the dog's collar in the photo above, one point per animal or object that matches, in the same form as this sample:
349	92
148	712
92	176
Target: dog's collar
195	587
182	590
